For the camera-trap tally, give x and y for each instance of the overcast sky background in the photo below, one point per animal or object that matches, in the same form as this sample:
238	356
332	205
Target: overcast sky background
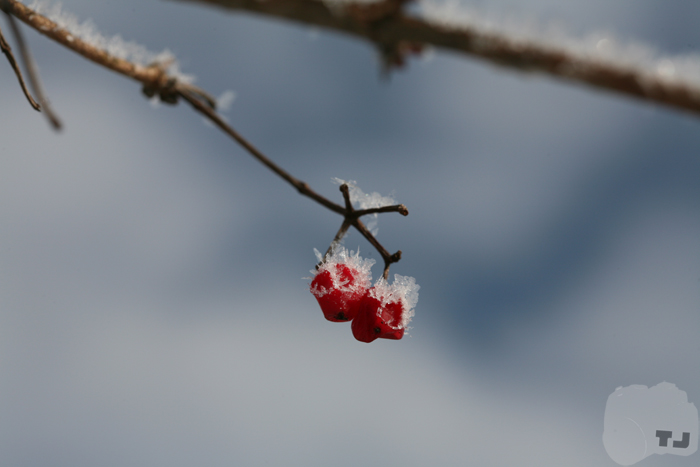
153	310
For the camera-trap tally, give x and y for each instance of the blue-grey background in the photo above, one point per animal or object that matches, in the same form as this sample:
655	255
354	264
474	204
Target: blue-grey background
153	310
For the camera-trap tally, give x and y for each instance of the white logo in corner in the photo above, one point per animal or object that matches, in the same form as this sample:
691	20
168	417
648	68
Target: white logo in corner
641	421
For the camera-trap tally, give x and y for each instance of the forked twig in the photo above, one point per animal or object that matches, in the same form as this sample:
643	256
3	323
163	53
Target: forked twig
351	217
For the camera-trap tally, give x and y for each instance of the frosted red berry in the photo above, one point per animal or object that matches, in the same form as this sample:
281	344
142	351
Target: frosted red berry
378	318
339	290
342	286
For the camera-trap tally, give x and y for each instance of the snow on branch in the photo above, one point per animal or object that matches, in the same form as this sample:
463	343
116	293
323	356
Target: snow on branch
154	70
600	61
88	32
366	202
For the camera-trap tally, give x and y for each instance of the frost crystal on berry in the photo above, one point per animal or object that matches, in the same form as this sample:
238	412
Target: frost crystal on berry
340	283
386	309
404	288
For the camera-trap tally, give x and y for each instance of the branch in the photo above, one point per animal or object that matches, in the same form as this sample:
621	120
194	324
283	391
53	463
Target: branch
396	33
302	187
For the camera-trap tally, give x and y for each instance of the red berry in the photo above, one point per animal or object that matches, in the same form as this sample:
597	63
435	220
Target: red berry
339	290
378	318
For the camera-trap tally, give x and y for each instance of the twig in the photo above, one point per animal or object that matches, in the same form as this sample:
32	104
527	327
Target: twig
336	240
395	31
388	258
32	74
302	187
7	50
350	215
400	208
353	217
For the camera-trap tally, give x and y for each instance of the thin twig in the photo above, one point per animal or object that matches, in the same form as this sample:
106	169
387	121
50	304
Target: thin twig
353	217
302	187
32	74
350	216
400	208
7	50
347	222
336	240
388	258
345	190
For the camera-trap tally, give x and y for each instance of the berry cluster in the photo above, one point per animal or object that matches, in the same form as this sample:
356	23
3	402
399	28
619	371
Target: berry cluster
342	286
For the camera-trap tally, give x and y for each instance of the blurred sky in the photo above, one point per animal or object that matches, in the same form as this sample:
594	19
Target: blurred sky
153	310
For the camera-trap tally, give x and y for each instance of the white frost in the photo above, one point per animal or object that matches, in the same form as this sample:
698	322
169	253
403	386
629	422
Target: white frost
88	32
595	48
404	289
225	100
362	200
353	260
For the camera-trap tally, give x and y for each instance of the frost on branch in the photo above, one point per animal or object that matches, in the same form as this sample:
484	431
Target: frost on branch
595	49
225	101
115	45
362	200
